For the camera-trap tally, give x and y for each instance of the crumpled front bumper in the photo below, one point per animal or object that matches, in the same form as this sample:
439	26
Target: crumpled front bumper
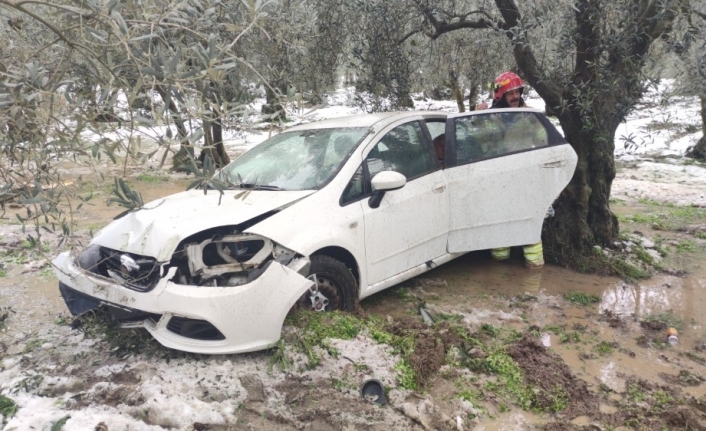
249	316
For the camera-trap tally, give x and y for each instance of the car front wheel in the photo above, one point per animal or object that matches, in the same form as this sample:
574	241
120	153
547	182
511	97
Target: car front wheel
334	288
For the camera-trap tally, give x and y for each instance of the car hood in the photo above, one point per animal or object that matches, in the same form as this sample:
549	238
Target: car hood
158	228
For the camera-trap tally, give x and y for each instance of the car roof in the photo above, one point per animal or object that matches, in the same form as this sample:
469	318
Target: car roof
368	120
494	110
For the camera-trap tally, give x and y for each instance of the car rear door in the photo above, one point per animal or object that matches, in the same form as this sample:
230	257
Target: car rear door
504	168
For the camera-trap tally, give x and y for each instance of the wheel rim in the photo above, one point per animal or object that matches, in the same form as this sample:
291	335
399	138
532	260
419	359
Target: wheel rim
322	296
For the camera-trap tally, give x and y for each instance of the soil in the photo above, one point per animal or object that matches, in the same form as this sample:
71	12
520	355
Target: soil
609	360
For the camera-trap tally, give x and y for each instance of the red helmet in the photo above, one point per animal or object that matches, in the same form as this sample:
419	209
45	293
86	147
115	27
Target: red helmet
505	82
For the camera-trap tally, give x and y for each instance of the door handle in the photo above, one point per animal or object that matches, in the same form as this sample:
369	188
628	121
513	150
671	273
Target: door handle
554	164
439	189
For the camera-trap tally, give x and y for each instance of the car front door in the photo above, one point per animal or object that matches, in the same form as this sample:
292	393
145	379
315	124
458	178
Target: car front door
504	169
410	226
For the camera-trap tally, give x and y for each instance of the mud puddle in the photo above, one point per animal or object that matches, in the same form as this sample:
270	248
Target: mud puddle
607	343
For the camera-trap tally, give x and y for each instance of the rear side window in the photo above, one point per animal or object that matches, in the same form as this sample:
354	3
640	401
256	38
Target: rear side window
497	134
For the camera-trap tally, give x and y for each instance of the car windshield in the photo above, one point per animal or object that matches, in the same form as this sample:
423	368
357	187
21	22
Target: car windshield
301	160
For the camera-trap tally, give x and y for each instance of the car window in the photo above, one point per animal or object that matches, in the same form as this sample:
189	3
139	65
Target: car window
355	188
497	134
403	149
436	128
297	160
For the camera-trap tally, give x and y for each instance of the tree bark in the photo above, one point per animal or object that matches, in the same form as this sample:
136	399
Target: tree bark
472	97
583	217
456	91
699	150
272	105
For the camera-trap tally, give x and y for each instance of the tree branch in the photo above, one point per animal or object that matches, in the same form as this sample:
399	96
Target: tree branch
59	33
587	43
526	61
441	27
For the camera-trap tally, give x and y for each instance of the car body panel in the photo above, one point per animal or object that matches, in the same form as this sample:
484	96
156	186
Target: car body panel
250	316
433	218
158	228
508	197
409	228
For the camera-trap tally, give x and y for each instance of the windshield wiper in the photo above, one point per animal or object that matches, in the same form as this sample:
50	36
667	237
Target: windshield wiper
253	186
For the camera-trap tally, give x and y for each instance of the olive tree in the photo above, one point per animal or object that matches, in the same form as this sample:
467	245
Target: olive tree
589	73
694	72
84	65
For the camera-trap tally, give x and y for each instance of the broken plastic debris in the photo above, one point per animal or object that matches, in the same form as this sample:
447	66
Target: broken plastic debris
426	316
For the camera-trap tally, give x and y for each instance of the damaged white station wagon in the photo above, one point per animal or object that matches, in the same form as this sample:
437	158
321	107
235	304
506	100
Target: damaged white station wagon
320	216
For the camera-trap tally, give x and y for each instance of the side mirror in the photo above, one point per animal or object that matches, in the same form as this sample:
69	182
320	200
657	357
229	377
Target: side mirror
383	182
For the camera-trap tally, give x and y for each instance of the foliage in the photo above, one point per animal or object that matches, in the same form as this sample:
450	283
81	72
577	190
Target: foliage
115	84
59	425
8	408
581	298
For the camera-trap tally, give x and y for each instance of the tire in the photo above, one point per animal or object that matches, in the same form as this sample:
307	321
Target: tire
334	274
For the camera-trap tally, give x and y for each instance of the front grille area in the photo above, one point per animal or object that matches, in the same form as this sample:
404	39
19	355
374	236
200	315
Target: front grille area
196	329
143	277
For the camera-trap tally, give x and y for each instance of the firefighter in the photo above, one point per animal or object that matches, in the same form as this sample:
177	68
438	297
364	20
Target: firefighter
507	93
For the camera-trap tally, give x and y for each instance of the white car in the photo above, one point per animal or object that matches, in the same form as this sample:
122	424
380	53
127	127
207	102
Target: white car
323	215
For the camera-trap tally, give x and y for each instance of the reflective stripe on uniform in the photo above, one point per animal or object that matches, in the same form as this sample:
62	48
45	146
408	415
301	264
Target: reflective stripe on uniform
534	253
502	253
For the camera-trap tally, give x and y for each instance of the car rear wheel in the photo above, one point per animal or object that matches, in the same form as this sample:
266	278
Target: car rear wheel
334	288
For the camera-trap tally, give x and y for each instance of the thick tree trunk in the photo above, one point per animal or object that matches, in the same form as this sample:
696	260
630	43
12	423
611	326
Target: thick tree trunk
583	216
456	91
215	150
699	150
472	97
181	157
272	105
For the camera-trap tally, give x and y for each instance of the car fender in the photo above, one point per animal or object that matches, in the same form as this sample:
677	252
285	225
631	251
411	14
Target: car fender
309	226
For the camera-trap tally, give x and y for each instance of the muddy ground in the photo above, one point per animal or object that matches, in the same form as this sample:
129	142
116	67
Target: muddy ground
509	348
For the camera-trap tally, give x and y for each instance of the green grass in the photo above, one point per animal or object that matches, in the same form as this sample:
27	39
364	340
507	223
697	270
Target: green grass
665	216
686	246
581	298
604	348
668	318
318	328
598	263
152	178
511	378
8	408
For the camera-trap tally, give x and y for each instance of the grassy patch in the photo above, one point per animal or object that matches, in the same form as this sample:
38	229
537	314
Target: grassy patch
318	328
511	379
665	216
598	263
605	348
8	408
32	345
581	298
686	246
152	178
668	318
